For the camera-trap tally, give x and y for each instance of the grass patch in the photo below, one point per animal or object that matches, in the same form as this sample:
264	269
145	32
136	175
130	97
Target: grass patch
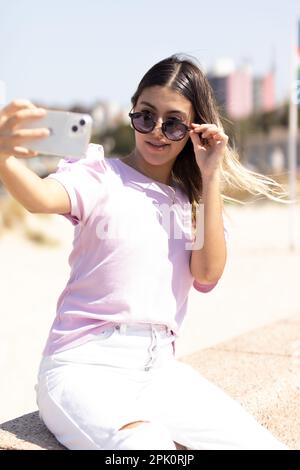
13	216
39	237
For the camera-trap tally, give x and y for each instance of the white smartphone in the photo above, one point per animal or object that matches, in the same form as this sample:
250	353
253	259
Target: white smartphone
70	134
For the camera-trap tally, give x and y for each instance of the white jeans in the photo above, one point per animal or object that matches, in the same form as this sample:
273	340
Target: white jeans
129	373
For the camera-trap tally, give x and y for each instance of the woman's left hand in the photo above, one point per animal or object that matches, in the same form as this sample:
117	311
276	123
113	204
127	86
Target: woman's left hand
208	156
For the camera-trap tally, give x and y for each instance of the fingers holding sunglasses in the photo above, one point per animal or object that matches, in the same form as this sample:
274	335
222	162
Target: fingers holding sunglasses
205	129
209	131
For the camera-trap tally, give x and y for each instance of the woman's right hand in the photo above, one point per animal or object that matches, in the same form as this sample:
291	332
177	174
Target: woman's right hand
13	139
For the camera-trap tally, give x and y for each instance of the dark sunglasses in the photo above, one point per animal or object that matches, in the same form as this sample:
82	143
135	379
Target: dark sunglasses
172	128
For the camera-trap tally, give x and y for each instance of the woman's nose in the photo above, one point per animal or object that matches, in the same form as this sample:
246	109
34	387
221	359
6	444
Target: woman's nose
157	128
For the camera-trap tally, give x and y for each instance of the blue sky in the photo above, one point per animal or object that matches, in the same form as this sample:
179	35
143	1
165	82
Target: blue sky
67	51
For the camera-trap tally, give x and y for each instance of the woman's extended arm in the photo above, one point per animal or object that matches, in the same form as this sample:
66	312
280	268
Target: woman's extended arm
34	193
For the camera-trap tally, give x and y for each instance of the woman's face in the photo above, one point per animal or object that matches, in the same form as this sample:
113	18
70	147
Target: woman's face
163	103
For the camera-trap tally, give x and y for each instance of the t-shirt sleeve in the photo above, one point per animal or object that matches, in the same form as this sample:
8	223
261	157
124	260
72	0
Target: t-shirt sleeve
85	181
204	288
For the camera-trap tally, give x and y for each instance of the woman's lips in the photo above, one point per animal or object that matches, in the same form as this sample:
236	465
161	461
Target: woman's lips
157	146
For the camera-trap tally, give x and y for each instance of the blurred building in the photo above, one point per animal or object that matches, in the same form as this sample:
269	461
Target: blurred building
238	92
233	87
264	93
257	93
218	78
108	115
269	94
268	154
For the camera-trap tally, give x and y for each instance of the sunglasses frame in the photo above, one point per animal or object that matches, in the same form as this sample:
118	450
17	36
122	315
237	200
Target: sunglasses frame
163	126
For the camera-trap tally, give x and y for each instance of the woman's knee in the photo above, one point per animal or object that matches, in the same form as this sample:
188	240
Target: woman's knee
132	425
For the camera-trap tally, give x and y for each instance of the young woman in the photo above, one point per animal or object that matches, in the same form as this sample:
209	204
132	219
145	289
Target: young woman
146	229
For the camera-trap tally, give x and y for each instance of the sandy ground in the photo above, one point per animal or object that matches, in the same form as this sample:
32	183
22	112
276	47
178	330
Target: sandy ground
260	285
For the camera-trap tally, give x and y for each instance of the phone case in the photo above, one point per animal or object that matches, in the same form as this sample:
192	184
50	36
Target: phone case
70	134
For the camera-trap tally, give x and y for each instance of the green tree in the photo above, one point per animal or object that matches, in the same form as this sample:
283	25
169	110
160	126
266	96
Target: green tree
122	138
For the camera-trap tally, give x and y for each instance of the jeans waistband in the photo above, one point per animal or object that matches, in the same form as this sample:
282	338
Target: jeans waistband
127	328
120	345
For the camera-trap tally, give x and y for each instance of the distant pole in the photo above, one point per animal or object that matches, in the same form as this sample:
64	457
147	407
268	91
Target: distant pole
293	133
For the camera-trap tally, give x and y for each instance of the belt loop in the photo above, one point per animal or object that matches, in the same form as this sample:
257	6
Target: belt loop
152	347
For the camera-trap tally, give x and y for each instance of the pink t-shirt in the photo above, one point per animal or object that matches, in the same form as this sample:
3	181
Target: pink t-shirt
131	250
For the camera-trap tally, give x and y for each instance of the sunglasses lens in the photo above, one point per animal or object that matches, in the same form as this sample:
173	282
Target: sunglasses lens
142	122
175	130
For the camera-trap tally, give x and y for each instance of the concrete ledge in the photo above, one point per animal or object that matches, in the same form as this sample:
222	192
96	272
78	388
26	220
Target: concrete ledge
27	433
260	369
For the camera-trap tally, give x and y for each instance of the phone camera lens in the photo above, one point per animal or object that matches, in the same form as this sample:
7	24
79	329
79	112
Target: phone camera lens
82	122
74	128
